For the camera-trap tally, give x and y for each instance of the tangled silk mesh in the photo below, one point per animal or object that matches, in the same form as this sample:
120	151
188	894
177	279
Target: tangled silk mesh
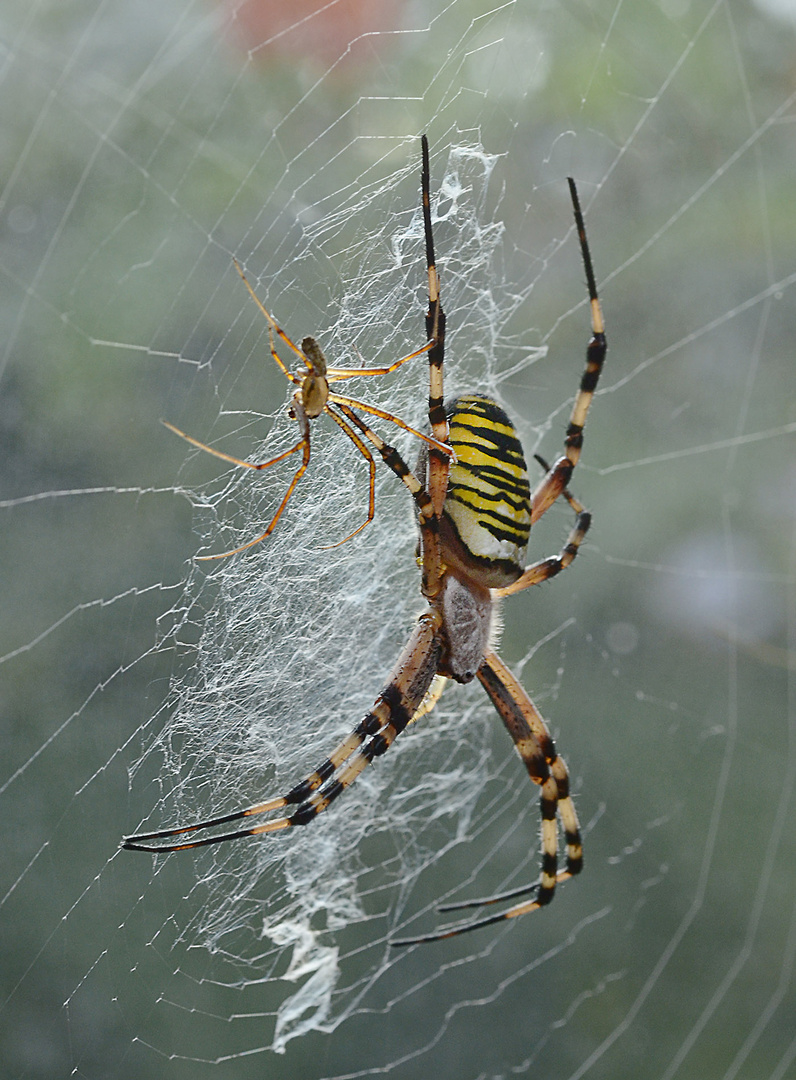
284	647
145	146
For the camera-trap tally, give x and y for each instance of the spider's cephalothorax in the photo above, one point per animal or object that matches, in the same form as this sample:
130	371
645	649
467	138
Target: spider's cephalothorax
474	510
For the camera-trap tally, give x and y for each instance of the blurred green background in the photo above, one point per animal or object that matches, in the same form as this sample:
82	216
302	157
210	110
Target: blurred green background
144	145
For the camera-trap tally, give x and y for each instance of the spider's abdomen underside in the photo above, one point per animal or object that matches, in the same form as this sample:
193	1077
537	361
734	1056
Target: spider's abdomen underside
467	618
488	501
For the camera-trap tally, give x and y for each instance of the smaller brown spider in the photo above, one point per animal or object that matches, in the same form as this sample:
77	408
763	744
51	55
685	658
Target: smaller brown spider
311	398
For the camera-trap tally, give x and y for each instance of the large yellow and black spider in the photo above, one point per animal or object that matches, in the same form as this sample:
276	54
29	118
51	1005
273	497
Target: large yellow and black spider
474	513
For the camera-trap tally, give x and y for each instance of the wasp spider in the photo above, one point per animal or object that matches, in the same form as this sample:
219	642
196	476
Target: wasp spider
474	511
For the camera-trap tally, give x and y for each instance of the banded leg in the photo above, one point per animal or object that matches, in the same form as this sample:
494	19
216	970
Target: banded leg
522	718
438	464
554	564
558	477
393	710
535	746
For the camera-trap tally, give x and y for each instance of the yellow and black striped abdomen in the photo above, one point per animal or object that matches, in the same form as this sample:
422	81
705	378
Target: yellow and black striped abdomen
488	501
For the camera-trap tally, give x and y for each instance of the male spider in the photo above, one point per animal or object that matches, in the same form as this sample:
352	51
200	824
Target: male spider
474	515
311	398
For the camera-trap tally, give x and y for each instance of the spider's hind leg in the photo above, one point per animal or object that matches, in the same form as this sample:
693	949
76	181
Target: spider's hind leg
535	746
537	750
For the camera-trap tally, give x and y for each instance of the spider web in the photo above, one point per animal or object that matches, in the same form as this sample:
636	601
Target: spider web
145	146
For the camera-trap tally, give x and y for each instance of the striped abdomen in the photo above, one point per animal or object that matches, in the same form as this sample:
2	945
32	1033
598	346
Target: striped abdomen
488	502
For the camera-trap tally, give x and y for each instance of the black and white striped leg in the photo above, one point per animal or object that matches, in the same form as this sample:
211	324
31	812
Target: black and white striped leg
537	750
553	484
393	710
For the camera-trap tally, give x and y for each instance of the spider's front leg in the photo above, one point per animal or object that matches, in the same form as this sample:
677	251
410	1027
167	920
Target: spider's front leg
558	477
